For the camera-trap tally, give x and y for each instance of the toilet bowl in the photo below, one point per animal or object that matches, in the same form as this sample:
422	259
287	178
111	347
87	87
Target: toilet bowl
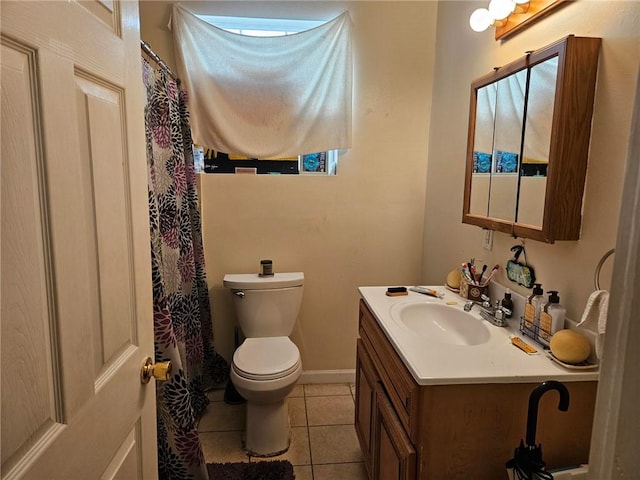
267	365
265	384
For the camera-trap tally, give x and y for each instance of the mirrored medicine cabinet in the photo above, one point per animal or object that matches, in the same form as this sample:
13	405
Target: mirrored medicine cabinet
528	142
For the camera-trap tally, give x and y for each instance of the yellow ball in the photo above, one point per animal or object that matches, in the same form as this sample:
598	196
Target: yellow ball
453	279
570	346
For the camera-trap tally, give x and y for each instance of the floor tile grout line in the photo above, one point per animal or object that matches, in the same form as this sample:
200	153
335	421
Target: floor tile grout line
306	416
339	463
304	395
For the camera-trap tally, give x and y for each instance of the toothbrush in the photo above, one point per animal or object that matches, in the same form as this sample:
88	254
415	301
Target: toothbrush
472	272
493	272
466	275
484	269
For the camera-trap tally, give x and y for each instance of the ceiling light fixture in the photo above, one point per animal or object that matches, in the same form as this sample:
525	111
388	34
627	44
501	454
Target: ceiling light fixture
497	14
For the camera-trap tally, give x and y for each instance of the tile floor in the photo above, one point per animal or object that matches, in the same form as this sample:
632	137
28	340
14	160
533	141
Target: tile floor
324	445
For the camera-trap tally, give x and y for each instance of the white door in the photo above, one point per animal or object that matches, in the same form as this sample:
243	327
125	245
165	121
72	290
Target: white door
76	300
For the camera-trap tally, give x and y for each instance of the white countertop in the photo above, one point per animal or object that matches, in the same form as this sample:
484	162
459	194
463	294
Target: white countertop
496	361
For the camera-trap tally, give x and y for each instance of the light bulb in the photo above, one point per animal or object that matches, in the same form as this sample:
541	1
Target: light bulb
480	20
522	6
501	9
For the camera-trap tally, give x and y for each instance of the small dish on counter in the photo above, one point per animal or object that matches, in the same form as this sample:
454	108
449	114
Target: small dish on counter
571	366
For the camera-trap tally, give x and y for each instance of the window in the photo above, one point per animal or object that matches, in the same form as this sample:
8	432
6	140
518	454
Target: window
260	27
208	160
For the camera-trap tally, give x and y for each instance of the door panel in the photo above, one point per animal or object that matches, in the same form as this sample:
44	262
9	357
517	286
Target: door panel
99	106
125	463
30	405
107	11
76	292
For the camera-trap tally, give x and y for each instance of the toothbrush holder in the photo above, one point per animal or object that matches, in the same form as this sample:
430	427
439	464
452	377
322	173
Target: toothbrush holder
472	292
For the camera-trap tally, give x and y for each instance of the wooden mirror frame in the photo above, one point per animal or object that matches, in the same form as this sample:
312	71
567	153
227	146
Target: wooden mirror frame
569	143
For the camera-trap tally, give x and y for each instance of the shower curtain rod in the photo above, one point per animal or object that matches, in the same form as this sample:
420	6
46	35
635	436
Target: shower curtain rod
146	48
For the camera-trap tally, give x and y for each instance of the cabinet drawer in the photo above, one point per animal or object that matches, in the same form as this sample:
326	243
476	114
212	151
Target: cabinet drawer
402	389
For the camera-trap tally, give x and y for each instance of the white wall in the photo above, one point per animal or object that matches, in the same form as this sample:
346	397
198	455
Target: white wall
362	227
462	56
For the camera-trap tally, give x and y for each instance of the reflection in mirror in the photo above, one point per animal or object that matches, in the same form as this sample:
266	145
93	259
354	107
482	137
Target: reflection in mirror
482	148
537	139
507	139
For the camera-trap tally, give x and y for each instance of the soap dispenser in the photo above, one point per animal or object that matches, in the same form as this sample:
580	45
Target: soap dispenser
552	316
534	304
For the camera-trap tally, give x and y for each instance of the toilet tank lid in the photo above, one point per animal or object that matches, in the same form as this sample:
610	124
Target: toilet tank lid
252	281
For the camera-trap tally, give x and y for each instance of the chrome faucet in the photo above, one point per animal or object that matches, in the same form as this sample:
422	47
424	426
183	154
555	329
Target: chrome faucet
495	314
484	305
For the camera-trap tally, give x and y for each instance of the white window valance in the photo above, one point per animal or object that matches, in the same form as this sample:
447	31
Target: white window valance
266	97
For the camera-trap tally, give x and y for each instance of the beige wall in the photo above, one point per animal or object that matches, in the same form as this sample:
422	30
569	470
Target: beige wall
362	227
369	225
463	55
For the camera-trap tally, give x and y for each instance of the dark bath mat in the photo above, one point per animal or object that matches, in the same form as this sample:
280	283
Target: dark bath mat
274	470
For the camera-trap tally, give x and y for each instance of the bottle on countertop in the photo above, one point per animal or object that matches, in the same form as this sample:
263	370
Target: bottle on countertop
552	316
532	308
508	303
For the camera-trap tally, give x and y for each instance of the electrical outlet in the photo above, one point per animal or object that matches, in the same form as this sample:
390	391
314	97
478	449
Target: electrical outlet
487	240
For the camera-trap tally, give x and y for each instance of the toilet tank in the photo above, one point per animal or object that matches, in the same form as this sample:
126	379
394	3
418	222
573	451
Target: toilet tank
266	306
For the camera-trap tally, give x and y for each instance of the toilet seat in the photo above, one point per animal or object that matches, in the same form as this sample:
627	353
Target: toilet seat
266	358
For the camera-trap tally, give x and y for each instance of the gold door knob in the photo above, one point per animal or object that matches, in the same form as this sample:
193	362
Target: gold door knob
160	371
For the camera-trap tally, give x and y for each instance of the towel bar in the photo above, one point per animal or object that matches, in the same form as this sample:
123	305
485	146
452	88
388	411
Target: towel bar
596	276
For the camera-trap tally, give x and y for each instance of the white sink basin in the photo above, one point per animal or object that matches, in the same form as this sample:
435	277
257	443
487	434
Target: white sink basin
441	323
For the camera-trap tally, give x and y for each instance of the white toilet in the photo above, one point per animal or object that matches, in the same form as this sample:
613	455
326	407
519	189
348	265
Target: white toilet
267	365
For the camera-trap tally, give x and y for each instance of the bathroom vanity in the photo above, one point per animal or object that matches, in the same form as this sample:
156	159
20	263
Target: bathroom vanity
456	408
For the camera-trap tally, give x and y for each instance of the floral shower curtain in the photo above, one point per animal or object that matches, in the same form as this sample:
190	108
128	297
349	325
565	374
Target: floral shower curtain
182	321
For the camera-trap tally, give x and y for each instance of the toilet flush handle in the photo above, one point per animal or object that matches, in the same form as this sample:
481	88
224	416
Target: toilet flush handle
239	294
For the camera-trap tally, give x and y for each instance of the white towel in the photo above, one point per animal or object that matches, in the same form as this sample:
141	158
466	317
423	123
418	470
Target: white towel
594	317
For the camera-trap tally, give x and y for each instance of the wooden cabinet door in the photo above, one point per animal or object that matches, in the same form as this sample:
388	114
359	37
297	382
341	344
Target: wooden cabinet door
394	455
366	379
